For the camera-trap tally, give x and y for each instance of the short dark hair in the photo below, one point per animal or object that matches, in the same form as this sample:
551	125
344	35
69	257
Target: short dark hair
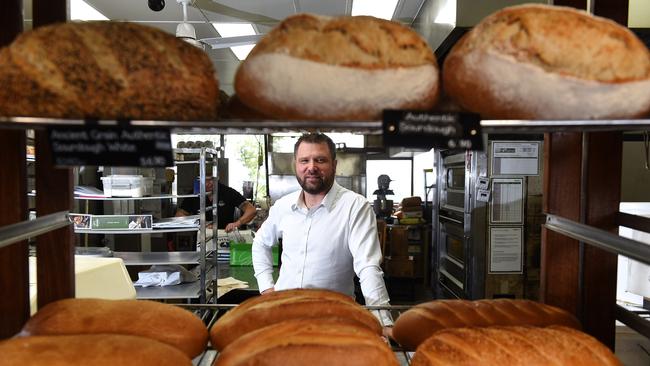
316	138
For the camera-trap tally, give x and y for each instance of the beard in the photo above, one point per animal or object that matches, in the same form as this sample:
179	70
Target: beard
318	185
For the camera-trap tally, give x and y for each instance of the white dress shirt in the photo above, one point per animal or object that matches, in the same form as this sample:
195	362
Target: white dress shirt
322	247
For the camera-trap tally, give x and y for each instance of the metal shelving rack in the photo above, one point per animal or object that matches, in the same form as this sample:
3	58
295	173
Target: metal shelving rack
191	290
588	235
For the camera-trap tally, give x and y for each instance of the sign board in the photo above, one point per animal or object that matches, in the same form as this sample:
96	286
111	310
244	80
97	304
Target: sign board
110	145
507	206
506	250
515	158
428	129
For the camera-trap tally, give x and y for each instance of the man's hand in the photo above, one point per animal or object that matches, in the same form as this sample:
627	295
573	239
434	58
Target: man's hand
232	226
269	290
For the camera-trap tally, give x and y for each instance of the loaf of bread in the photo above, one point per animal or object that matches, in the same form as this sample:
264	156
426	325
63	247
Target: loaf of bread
308	342
549	62
344	68
95	349
261	311
421	321
106	70
162	322
513	346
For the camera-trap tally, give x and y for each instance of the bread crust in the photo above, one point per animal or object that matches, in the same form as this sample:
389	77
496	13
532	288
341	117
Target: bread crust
278	306
162	322
308	342
513	346
420	322
549	62
94	349
345	68
107	70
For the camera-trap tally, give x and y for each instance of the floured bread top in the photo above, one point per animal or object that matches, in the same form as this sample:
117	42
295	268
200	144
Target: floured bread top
563	40
360	41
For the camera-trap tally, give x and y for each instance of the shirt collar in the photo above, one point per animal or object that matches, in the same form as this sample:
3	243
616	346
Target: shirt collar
328	201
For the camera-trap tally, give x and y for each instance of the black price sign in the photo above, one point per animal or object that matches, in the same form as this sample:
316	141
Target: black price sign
432	130
110	145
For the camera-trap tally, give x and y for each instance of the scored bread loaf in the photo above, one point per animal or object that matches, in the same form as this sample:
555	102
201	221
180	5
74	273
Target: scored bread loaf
341	68
308	342
106	70
261	311
94	349
165	323
421	321
549	62
513	346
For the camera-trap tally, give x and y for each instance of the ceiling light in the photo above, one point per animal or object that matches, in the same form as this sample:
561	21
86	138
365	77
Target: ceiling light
80	10
447	14
380	9
236	30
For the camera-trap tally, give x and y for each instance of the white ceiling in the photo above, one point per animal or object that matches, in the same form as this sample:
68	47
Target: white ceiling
264	14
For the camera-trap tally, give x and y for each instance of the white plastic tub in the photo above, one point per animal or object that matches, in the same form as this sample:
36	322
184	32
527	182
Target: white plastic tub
127	186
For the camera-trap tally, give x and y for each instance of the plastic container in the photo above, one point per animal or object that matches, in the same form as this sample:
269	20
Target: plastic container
127	186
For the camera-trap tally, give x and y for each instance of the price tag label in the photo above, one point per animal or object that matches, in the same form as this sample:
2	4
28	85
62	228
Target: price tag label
432	130
110	145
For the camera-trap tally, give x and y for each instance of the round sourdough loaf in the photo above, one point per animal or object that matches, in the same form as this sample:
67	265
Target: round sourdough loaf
93	349
546	62
106	70
308	342
344	68
513	346
162	322
421	321
278	306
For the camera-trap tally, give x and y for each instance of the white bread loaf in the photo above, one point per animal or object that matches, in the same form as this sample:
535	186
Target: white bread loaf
261	311
162	322
106	70
544	62
95	350
308	342
513	346
344	68
421	321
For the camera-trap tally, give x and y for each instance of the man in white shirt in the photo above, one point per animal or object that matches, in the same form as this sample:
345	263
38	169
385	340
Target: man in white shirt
328	233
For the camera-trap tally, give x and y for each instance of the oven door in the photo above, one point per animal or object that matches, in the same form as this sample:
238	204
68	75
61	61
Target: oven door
452	270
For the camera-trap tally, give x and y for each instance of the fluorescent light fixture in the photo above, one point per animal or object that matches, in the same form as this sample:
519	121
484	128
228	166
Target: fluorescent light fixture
447	14
234	30
377	8
80	10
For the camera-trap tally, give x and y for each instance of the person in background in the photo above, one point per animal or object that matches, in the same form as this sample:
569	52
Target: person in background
228	200
328	233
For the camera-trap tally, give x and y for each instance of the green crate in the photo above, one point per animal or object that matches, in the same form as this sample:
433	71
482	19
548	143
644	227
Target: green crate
240	254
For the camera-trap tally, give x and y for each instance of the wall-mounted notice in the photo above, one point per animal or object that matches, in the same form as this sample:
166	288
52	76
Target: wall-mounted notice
506	249
515	158
110	145
507	205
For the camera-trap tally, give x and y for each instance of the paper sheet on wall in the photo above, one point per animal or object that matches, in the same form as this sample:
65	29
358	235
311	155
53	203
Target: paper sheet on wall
506	249
507	204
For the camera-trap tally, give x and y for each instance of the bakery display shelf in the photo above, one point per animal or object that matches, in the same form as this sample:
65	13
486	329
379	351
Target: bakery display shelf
236	126
600	238
23	230
135	231
158	197
153	258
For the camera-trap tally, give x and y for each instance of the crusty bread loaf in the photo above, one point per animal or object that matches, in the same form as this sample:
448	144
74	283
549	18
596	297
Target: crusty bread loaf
513	346
278	306
421	321
343	68
546	62
95	349
165	323
308	342
106	70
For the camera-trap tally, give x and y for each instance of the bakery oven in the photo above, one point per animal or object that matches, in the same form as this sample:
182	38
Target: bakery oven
456	262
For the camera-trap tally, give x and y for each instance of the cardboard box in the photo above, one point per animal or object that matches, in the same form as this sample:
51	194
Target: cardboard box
403	267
